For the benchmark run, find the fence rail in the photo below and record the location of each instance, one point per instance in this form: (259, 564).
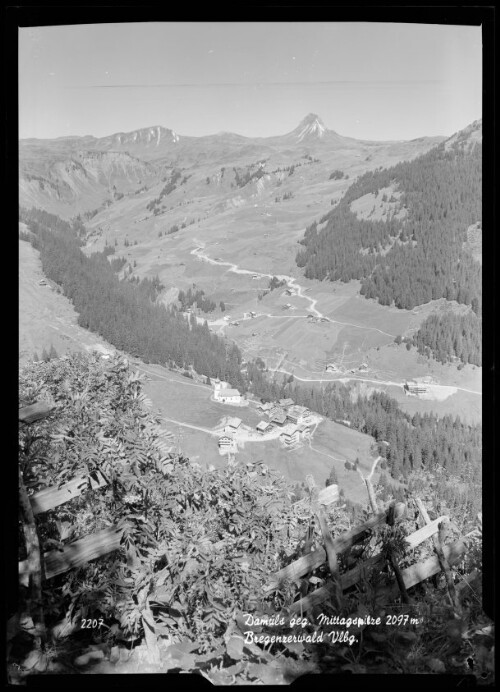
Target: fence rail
(52, 497)
(76, 554)
(445, 556)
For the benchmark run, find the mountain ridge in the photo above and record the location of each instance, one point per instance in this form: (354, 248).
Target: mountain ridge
(71, 175)
(311, 121)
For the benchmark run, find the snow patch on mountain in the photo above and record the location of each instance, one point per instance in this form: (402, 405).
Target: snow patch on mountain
(311, 126)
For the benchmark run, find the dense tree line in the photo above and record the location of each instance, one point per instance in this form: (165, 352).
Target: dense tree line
(450, 335)
(124, 312)
(441, 193)
(247, 175)
(117, 263)
(166, 190)
(197, 296)
(406, 442)
(276, 283)
(34, 217)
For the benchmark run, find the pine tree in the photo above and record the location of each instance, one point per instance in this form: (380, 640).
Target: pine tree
(332, 478)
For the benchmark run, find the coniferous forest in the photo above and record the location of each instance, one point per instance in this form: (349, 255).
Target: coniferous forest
(198, 297)
(407, 443)
(425, 259)
(450, 336)
(125, 312)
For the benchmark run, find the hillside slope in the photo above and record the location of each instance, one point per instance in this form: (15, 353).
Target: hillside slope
(46, 317)
(410, 247)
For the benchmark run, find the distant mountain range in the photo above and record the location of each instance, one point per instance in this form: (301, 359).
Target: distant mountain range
(157, 140)
(68, 175)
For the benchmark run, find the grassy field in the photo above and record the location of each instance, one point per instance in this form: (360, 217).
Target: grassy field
(332, 444)
(294, 465)
(467, 406)
(179, 398)
(46, 318)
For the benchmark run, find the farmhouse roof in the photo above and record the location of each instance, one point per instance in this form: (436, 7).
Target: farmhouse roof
(297, 410)
(229, 392)
(262, 425)
(279, 417)
(286, 402)
(291, 431)
(234, 422)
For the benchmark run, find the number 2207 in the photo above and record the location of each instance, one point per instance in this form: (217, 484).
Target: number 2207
(87, 623)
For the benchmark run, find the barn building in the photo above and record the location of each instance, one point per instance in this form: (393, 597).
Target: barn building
(291, 436)
(226, 395)
(226, 444)
(296, 414)
(412, 387)
(233, 423)
(279, 418)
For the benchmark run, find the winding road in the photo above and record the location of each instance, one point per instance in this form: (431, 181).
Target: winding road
(362, 379)
(292, 283)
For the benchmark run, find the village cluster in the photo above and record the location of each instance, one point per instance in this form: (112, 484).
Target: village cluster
(284, 420)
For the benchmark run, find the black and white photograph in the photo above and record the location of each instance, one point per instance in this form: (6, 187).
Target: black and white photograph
(250, 352)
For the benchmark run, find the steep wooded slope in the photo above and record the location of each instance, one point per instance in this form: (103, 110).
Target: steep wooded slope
(416, 253)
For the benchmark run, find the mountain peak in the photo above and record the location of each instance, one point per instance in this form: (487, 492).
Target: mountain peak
(145, 136)
(310, 127)
(310, 119)
(467, 138)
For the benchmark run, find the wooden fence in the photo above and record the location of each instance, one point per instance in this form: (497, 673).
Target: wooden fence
(78, 552)
(74, 554)
(445, 556)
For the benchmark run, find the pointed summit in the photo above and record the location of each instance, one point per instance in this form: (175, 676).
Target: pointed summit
(310, 119)
(310, 127)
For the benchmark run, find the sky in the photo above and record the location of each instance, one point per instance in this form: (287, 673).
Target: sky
(376, 81)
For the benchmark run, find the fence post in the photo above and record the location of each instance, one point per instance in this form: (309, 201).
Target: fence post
(331, 553)
(443, 562)
(27, 415)
(367, 480)
(34, 561)
(391, 516)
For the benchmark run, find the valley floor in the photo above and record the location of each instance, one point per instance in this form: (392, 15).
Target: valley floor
(47, 318)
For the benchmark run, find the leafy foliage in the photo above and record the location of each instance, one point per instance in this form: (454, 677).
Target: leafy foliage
(187, 546)
(199, 544)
